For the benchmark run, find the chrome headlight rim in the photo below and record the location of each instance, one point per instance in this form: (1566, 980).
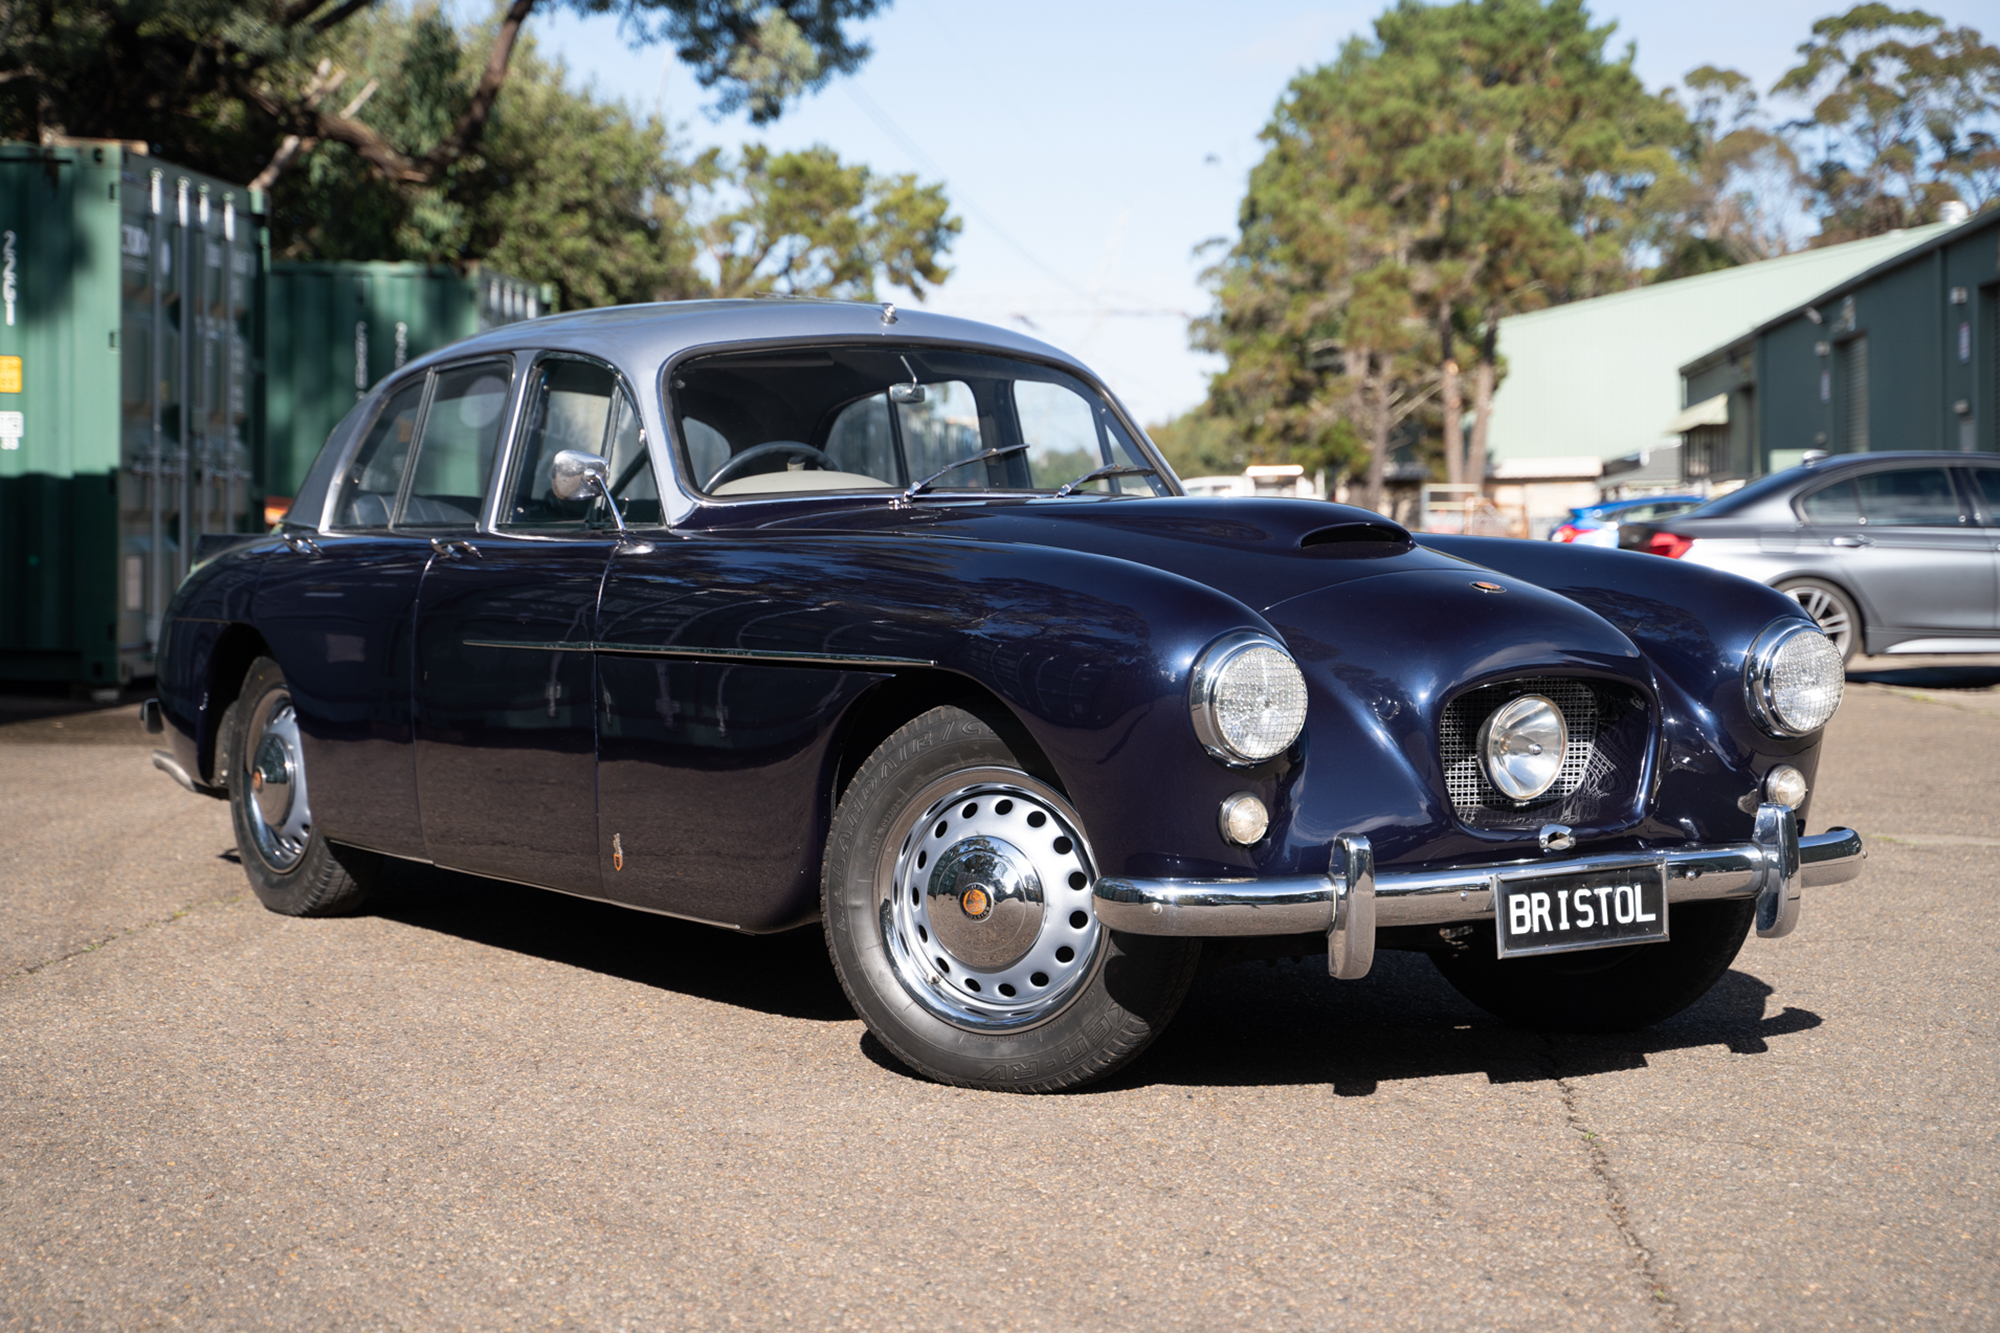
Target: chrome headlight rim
(1204, 682)
(1760, 663)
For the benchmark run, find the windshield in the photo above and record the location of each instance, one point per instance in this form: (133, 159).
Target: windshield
(886, 418)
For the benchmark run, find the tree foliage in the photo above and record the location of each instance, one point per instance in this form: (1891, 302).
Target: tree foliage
(1902, 119)
(1471, 160)
(220, 84)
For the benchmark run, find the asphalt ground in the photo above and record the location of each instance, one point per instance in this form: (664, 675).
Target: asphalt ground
(487, 1107)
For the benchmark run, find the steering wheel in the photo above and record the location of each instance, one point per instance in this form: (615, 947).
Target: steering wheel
(740, 463)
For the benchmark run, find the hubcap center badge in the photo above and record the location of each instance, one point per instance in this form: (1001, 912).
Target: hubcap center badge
(984, 902)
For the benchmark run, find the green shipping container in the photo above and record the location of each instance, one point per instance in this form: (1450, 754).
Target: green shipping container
(128, 292)
(334, 329)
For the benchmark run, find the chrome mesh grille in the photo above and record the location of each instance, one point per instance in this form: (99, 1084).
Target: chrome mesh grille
(1458, 742)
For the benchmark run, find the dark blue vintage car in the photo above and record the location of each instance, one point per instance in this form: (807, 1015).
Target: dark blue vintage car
(767, 613)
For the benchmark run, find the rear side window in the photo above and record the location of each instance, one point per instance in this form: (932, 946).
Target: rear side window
(455, 453)
(1916, 497)
(369, 487)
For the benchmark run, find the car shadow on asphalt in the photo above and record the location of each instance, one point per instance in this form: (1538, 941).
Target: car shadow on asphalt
(787, 975)
(1291, 1024)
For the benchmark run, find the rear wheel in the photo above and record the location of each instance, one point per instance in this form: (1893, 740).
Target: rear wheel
(291, 866)
(1604, 990)
(1833, 609)
(958, 910)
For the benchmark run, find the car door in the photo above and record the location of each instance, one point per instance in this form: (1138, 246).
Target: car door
(505, 733)
(336, 611)
(1904, 539)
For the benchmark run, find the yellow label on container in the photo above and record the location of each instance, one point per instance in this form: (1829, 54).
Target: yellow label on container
(10, 374)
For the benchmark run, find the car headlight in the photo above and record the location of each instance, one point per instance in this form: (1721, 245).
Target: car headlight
(1522, 746)
(1793, 678)
(1247, 698)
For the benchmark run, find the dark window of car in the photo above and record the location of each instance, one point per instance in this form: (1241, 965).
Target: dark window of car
(1832, 504)
(368, 490)
(1988, 481)
(1915, 497)
(455, 451)
(576, 404)
(877, 418)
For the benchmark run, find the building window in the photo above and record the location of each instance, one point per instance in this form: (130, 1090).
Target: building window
(1854, 395)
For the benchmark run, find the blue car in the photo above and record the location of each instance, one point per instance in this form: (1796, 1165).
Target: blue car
(767, 614)
(1597, 525)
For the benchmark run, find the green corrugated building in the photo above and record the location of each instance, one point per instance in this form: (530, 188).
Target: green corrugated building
(1903, 355)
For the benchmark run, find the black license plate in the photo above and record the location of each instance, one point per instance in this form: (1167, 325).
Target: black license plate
(1555, 913)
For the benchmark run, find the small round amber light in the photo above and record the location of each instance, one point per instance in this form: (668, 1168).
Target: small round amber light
(1785, 785)
(1244, 819)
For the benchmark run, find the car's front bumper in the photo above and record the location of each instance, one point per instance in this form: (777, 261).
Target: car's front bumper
(1352, 901)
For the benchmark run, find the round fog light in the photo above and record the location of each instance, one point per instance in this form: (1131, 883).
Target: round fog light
(1244, 819)
(1785, 785)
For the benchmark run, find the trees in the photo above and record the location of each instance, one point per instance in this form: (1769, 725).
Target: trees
(1901, 119)
(614, 216)
(1472, 160)
(222, 84)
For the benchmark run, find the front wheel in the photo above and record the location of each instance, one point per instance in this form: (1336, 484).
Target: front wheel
(1604, 990)
(291, 866)
(957, 899)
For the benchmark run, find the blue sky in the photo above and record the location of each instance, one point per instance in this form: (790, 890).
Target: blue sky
(1091, 147)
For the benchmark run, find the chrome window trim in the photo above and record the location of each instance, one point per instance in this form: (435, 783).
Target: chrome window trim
(1208, 664)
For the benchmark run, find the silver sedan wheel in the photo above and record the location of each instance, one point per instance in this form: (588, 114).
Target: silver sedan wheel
(1827, 610)
(984, 900)
(280, 816)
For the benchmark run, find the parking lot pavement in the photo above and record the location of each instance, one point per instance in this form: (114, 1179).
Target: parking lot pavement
(483, 1106)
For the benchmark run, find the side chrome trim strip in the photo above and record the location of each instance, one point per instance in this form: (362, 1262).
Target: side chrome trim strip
(1303, 904)
(759, 656)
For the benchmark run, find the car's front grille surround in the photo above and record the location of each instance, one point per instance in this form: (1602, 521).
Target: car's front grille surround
(1608, 731)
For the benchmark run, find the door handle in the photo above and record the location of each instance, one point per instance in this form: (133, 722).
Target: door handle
(1851, 541)
(451, 549)
(299, 545)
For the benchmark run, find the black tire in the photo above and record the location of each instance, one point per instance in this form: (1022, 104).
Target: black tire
(292, 868)
(1604, 990)
(1121, 989)
(1832, 609)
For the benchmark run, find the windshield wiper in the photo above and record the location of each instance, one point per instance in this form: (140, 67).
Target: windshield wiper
(1109, 470)
(919, 487)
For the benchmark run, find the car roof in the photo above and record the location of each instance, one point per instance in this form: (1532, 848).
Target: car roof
(647, 336)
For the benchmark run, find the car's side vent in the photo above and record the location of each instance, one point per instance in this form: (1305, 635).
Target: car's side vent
(1608, 728)
(1342, 533)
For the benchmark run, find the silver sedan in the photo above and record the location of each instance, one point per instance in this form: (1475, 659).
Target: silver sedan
(1890, 552)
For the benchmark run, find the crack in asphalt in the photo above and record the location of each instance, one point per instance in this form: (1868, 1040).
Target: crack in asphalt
(1663, 1303)
(92, 946)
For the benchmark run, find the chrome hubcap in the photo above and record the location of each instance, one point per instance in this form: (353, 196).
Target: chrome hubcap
(280, 818)
(985, 902)
(1826, 612)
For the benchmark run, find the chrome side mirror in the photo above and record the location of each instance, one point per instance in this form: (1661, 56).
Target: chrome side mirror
(575, 473)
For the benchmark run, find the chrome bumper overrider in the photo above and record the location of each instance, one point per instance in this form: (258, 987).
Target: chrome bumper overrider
(1353, 900)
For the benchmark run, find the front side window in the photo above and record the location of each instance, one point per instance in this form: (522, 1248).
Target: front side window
(877, 418)
(576, 404)
(1988, 481)
(370, 484)
(455, 450)
(1917, 497)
